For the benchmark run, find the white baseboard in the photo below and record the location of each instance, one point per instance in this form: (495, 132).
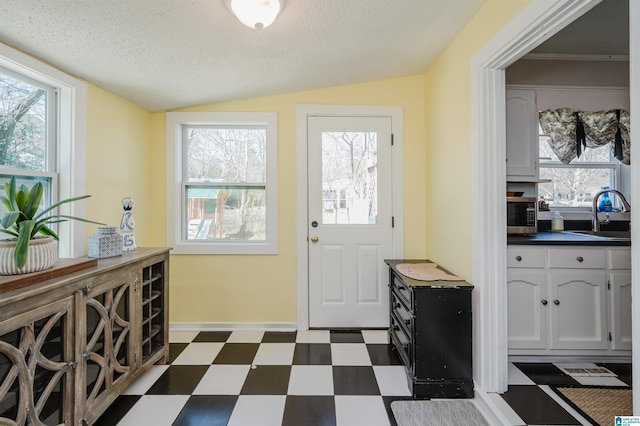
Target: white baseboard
(232, 326)
(495, 409)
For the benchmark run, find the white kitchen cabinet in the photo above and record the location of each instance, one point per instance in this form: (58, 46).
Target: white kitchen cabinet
(620, 298)
(522, 135)
(569, 300)
(620, 303)
(578, 309)
(528, 305)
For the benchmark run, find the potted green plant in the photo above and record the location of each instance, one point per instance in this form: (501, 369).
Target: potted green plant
(23, 222)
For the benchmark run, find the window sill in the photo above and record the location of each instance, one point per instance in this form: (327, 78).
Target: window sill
(245, 248)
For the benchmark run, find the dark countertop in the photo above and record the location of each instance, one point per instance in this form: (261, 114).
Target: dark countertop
(566, 238)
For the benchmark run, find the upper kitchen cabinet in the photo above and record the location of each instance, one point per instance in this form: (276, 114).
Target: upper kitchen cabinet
(522, 135)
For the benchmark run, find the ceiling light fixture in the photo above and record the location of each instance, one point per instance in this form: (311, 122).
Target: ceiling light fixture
(256, 14)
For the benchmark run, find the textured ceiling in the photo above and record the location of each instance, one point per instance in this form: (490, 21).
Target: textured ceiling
(165, 54)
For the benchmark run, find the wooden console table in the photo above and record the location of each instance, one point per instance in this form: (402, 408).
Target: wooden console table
(70, 344)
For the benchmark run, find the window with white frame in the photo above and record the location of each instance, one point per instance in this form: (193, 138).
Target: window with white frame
(28, 133)
(572, 186)
(221, 183)
(42, 136)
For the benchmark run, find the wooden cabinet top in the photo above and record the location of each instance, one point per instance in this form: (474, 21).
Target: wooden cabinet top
(69, 271)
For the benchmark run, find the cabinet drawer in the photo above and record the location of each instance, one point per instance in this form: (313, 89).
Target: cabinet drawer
(525, 257)
(401, 342)
(403, 314)
(403, 291)
(620, 258)
(589, 258)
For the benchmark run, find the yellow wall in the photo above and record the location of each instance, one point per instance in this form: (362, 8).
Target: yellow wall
(118, 161)
(126, 157)
(217, 288)
(448, 156)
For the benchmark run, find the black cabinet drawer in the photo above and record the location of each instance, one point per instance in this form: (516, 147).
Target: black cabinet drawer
(402, 313)
(401, 342)
(403, 291)
(431, 329)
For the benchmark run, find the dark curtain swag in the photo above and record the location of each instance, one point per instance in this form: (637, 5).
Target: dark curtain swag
(572, 131)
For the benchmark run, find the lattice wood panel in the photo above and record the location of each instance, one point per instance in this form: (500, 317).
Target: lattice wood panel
(107, 347)
(36, 366)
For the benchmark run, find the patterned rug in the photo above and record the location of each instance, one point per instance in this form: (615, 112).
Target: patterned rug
(600, 405)
(437, 413)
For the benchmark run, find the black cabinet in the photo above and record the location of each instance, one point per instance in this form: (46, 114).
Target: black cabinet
(431, 329)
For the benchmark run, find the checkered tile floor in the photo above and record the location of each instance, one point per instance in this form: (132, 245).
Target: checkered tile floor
(251, 378)
(531, 401)
(267, 378)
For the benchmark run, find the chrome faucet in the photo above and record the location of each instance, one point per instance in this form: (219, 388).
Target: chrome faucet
(596, 221)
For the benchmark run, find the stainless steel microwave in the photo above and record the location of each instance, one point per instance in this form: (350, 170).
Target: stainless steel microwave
(522, 216)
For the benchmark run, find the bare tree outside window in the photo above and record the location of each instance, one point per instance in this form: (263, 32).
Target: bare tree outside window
(575, 184)
(23, 126)
(349, 177)
(227, 183)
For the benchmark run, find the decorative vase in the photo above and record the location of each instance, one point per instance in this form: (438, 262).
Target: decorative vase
(106, 242)
(43, 254)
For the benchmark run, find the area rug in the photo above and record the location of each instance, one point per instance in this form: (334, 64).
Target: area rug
(601, 405)
(437, 413)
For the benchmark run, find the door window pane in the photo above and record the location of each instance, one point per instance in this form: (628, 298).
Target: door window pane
(349, 178)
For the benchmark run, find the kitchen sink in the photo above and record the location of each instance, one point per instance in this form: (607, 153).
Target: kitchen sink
(603, 234)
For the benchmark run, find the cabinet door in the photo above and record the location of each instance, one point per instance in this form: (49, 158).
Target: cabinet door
(578, 305)
(620, 308)
(108, 349)
(528, 308)
(522, 135)
(36, 365)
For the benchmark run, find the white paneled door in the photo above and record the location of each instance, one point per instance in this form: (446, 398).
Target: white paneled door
(350, 220)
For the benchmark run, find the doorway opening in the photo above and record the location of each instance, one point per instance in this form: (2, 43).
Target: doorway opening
(536, 23)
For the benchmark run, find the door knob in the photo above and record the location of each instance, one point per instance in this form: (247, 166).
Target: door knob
(315, 239)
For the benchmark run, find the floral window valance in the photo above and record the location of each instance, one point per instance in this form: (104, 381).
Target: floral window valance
(571, 131)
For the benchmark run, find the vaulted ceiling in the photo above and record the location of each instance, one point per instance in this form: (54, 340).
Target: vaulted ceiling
(166, 54)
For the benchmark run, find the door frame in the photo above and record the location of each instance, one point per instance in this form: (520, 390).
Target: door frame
(537, 22)
(303, 111)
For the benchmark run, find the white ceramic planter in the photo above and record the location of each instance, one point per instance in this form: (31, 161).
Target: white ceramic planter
(43, 254)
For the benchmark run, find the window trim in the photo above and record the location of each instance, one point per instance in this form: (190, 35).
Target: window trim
(175, 205)
(71, 131)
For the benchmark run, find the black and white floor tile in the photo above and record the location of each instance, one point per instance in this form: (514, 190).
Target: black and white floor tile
(531, 401)
(267, 378)
(317, 377)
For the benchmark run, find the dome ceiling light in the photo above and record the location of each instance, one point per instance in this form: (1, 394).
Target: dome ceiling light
(257, 14)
